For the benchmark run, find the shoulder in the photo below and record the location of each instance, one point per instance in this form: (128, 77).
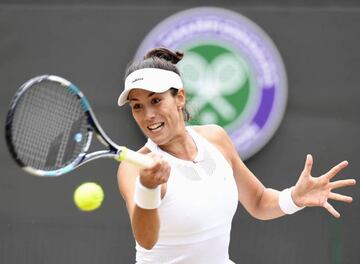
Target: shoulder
(213, 133)
(144, 150)
(218, 137)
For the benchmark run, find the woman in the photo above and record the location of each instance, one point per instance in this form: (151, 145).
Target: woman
(181, 207)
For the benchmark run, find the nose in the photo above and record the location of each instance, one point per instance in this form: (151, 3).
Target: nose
(149, 113)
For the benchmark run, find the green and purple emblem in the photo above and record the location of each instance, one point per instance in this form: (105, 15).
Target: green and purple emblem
(232, 72)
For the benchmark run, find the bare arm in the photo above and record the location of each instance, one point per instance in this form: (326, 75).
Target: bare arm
(145, 223)
(259, 201)
(262, 202)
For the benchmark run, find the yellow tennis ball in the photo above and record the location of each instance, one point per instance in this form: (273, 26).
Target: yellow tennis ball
(88, 196)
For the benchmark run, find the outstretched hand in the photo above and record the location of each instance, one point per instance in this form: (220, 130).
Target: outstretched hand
(316, 191)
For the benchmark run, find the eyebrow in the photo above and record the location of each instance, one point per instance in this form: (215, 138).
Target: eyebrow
(134, 99)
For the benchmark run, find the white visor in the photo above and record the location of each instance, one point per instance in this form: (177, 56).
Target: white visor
(150, 79)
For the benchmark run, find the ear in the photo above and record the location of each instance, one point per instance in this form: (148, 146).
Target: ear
(181, 99)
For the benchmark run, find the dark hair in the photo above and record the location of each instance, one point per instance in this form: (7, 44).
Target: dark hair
(160, 58)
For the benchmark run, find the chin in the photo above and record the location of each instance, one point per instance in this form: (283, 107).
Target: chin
(158, 141)
(159, 138)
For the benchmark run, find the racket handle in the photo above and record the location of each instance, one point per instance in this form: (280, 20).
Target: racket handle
(138, 159)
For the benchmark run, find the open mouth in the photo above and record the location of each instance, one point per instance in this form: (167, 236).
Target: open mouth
(156, 126)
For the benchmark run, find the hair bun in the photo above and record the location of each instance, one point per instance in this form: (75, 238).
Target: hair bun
(165, 54)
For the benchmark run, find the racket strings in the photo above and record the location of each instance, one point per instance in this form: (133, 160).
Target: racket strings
(28, 118)
(46, 120)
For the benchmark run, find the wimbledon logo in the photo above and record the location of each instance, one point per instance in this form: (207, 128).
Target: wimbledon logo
(232, 72)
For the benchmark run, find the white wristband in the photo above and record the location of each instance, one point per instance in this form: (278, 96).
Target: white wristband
(286, 202)
(147, 198)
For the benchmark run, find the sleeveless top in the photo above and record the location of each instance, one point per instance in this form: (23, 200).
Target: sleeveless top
(197, 209)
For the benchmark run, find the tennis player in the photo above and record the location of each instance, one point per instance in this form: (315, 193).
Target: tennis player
(181, 208)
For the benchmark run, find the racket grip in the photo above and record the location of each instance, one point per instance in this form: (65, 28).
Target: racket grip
(138, 159)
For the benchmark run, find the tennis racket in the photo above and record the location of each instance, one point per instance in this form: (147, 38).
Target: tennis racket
(50, 126)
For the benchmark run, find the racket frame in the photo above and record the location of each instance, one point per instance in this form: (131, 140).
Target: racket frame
(114, 151)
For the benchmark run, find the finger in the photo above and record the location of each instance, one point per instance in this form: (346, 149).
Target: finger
(157, 163)
(336, 169)
(164, 172)
(161, 178)
(308, 164)
(340, 197)
(331, 210)
(342, 183)
(154, 167)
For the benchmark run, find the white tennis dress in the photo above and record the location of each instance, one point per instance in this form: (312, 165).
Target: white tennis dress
(197, 210)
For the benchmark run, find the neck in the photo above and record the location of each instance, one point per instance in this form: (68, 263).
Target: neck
(182, 146)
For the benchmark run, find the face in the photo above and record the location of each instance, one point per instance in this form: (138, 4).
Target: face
(159, 115)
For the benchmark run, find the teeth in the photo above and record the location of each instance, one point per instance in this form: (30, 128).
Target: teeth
(155, 126)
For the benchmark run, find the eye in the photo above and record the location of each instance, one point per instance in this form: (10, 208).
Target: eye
(136, 106)
(155, 100)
